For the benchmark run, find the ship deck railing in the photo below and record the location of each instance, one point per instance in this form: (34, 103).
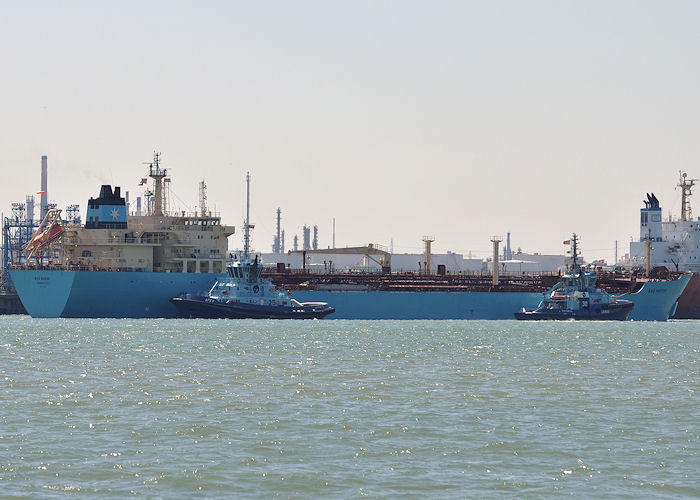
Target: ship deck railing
(79, 267)
(613, 282)
(413, 274)
(403, 281)
(61, 267)
(119, 240)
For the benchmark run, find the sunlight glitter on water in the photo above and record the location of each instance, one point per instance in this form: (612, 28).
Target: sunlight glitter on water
(172, 408)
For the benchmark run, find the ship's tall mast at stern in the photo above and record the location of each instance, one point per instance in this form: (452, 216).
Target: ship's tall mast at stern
(686, 185)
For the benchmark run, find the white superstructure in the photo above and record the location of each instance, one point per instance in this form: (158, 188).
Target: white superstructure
(674, 244)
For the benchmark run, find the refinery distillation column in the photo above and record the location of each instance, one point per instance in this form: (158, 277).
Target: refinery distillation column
(495, 240)
(427, 240)
(277, 246)
(44, 203)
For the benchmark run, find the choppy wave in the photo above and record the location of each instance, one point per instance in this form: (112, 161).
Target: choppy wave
(177, 408)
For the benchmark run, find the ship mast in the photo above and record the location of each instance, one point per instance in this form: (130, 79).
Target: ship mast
(157, 174)
(574, 253)
(246, 225)
(686, 185)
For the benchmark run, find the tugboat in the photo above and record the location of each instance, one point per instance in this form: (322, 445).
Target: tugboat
(576, 297)
(244, 294)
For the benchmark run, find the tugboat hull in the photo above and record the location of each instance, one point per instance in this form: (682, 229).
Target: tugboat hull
(618, 311)
(197, 306)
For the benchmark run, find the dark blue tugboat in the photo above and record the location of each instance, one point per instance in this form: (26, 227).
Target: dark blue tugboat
(576, 297)
(245, 294)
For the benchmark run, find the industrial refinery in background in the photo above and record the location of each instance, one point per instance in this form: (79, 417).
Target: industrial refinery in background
(373, 256)
(26, 217)
(307, 242)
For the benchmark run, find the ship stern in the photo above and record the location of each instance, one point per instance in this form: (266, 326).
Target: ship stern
(43, 293)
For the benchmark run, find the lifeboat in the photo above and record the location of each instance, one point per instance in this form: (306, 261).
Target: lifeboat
(48, 231)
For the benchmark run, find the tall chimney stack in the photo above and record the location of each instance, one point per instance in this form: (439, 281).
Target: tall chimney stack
(30, 208)
(44, 202)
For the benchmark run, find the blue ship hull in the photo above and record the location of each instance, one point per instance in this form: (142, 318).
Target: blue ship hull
(109, 294)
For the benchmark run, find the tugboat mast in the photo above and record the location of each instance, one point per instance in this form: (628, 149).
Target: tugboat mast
(574, 253)
(246, 225)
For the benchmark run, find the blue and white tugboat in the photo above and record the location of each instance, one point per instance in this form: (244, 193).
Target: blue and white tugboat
(245, 294)
(576, 297)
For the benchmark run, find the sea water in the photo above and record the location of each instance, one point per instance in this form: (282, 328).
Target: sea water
(343, 409)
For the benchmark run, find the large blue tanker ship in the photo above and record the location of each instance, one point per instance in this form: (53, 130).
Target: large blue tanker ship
(90, 294)
(129, 265)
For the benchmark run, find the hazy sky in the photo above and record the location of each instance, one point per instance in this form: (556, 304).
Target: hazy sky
(400, 119)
